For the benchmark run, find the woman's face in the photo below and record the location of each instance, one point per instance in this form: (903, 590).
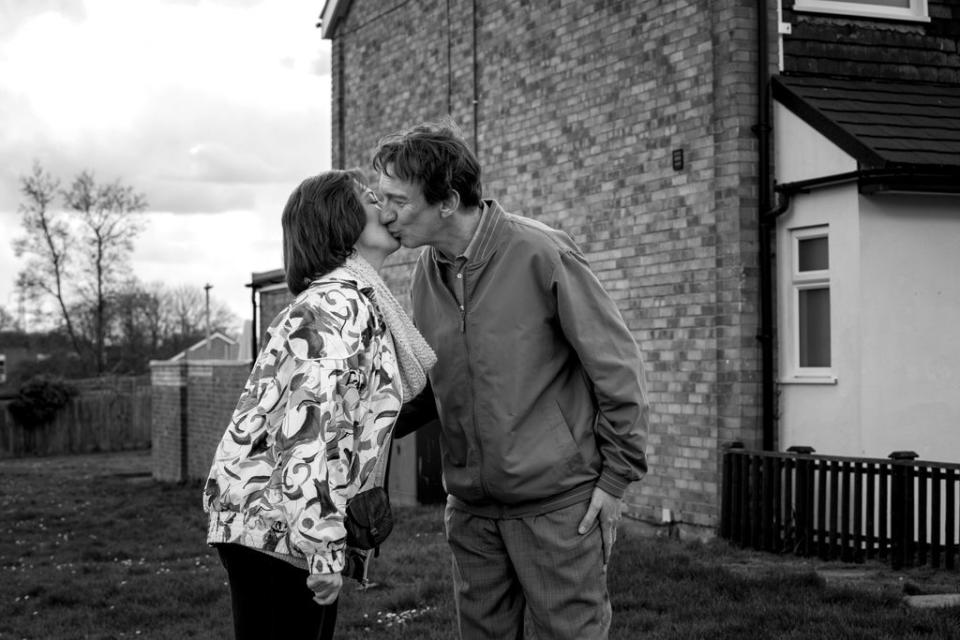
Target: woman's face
(374, 237)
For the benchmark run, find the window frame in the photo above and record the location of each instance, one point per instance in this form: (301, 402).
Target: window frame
(801, 281)
(916, 12)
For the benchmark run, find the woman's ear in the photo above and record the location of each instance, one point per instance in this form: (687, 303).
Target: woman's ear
(450, 204)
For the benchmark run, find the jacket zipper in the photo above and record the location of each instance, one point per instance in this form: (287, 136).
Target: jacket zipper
(462, 279)
(462, 305)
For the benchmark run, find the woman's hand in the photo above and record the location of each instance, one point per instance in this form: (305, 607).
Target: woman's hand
(325, 587)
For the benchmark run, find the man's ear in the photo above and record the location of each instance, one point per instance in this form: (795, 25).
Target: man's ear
(450, 204)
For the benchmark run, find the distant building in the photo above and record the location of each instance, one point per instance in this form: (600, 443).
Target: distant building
(217, 347)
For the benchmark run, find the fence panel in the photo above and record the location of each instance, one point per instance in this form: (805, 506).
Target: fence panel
(112, 418)
(901, 510)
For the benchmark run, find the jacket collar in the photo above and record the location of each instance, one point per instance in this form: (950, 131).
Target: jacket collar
(485, 239)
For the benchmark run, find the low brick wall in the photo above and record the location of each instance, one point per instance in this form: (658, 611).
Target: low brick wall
(192, 404)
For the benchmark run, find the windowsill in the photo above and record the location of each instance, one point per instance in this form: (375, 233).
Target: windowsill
(818, 379)
(850, 13)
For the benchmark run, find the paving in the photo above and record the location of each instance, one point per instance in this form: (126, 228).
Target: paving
(917, 586)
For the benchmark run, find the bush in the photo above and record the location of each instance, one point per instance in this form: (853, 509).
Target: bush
(39, 399)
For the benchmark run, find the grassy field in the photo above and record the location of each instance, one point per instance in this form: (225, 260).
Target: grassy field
(91, 547)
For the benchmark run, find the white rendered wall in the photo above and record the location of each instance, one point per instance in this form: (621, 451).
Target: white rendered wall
(910, 325)
(801, 152)
(823, 412)
(895, 312)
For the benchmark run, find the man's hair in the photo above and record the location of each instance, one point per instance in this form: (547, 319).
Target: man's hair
(321, 223)
(434, 156)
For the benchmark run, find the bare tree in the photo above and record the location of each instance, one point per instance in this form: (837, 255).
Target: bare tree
(109, 225)
(163, 321)
(7, 321)
(187, 308)
(94, 243)
(46, 244)
(152, 308)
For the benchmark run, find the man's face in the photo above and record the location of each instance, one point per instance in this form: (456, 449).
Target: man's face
(406, 214)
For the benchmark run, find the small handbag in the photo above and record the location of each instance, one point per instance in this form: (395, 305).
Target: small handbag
(369, 519)
(368, 522)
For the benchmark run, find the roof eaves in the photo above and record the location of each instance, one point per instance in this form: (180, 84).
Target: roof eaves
(330, 16)
(259, 279)
(867, 157)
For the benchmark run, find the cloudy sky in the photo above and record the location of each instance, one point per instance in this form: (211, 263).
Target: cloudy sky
(214, 109)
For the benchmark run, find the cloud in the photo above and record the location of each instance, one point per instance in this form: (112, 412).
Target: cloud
(214, 109)
(13, 13)
(141, 92)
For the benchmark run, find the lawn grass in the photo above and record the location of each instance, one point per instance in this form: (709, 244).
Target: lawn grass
(90, 550)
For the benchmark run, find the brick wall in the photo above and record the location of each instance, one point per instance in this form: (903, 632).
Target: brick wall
(575, 110)
(870, 48)
(271, 303)
(192, 404)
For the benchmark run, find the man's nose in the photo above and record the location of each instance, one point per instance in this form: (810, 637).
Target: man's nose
(387, 213)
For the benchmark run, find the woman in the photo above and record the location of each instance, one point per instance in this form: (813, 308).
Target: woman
(315, 416)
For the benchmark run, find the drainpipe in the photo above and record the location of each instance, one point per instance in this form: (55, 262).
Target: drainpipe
(768, 219)
(476, 84)
(338, 51)
(253, 327)
(762, 130)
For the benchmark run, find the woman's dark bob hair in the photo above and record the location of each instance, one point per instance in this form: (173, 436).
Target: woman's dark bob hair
(322, 221)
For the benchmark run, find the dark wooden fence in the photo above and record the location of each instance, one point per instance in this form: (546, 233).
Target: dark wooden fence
(111, 414)
(900, 510)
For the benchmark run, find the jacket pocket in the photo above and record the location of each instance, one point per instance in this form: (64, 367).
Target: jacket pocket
(534, 460)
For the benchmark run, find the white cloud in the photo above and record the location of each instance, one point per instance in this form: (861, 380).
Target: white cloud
(214, 110)
(222, 249)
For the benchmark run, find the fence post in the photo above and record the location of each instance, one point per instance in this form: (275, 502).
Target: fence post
(804, 499)
(901, 508)
(727, 492)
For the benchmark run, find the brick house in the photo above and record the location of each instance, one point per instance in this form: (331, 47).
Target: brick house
(647, 131)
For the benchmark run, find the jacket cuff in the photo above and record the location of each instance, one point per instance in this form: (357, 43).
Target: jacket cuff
(612, 483)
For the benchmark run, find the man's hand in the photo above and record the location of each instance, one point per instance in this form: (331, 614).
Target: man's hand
(325, 587)
(607, 508)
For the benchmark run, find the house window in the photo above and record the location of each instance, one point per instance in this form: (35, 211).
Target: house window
(3, 368)
(893, 9)
(810, 281)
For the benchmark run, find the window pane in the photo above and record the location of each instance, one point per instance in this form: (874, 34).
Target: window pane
(815, 327)
(812, 254)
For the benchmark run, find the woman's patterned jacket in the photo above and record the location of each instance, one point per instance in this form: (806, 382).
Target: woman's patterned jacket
(319, 404)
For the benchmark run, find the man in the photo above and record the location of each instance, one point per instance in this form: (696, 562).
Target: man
(540, 392)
